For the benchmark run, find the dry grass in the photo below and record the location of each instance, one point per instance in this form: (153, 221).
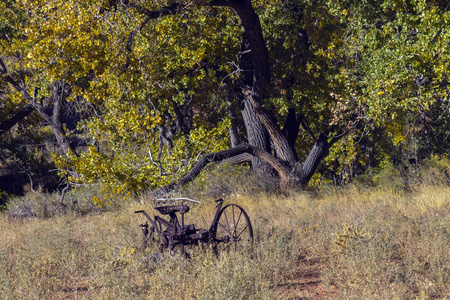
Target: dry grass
(337, 244)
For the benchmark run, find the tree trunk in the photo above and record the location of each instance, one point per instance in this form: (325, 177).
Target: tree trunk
(260, 57)
(233, 130)
(257, 136)
(291, 127)
(255, 72)
(301, 173)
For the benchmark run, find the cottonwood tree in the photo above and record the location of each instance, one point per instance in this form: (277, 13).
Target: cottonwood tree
(173, 82)
(268, 143)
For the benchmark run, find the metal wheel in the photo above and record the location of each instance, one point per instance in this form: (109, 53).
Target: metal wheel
(233, 229)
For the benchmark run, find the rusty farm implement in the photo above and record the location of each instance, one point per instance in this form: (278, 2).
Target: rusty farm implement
(230, 229)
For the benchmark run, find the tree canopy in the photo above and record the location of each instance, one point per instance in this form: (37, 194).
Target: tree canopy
(161, 88)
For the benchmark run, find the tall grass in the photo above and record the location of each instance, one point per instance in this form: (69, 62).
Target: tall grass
(336, 243)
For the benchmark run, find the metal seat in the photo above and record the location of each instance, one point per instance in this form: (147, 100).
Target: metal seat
(167, 210)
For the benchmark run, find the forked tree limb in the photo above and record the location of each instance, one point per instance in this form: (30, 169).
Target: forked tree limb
(284, 149)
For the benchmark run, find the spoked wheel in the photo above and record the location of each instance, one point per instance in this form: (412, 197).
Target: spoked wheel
(233, 229)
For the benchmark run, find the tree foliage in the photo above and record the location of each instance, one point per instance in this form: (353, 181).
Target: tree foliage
(396, 69)
(164, 83)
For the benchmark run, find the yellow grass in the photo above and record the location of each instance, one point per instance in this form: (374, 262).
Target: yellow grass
(342, 243)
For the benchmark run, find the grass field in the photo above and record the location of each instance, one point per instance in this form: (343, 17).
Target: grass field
(335, 243)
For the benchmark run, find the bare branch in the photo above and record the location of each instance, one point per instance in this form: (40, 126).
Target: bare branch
(277, 164)
(7, 125)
